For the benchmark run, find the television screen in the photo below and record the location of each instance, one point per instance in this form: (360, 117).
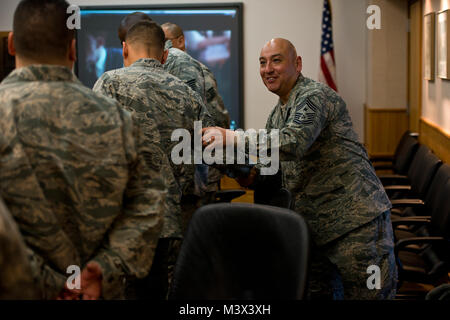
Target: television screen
(213, 36)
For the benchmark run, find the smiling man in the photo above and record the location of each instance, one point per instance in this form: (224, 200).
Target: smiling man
(333, 184)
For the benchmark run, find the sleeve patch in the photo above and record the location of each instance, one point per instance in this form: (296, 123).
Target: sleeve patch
(305, 113)
(191, 83)
(210, 94)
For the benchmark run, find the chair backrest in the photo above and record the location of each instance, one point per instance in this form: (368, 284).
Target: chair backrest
(281, 198)
(434, 191)
(243, 251)
(404, 153)
(440, 218)
(422, 170)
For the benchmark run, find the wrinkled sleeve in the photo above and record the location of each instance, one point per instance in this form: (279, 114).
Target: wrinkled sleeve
(201, 110)
(16, 280)
(130, 245)
(49, 249)
(104, 86)
(306, 120)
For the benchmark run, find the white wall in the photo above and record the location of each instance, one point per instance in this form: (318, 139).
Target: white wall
(387, 73)
(436, 94)
(296, 20)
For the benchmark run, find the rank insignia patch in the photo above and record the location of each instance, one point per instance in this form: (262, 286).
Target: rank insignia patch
(305, 112)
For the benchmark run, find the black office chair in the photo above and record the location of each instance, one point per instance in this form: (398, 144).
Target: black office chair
(425, 258)
(404, 153)
(243, 251)
(420, 174)
(418, 207)
(278, 198)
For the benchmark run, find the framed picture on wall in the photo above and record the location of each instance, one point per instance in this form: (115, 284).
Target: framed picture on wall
(443, 53)
(429, 22)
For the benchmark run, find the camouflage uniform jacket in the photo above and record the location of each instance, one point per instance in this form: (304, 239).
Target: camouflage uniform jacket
(323, 164)
(158, 97)
(213, 99)
(221, 117)
(74, 176)
(16, 281)
(187, 69)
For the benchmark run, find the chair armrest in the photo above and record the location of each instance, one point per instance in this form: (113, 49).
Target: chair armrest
(404, 203)
(403, 243)
(398, 187)
(419, 220)
(228, 195)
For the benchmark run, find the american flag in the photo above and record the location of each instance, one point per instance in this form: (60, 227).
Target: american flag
(327, 73)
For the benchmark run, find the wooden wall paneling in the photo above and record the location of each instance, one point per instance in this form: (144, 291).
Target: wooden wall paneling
(436, 139)
(383, 129)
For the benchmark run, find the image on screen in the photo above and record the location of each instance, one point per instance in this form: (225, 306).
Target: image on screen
(213, 36)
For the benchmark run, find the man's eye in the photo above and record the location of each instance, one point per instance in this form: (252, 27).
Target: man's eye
(262, 62)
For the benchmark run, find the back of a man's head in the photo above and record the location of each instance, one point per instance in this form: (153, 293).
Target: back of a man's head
(147, 36)
(129, 21)
(173, 29)
(40, 29)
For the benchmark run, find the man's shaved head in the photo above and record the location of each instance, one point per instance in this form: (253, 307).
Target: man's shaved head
(173, 29)
(129, 21)
(175, 34)
(40, 30)
(282, 45)
(147, 36)
(280, 67)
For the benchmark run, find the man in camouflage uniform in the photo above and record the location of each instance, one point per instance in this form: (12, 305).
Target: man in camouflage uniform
(175, 38)
(16, 281)
(155, 96)
(332, 181)
(80, 180)
(188, 70)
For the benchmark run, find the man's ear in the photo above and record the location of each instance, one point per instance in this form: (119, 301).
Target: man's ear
(124, 50)
(73, 50)
(11, 47)
(298, 62)
(164, 57)
(182, 43)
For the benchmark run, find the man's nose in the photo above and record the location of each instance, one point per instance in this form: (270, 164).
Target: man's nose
(268, 68)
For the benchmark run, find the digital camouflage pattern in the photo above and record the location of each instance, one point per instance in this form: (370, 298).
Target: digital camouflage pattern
(155, 96)
(79, 179)
(335, 188)
(185, 68)
(221, 117)
(213, 99)
(16, 281)
(339, 269)
(323, 164)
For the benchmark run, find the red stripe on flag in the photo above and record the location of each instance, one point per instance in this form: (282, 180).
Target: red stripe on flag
(326, 73)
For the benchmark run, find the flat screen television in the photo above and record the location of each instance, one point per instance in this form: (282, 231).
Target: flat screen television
(213, 35)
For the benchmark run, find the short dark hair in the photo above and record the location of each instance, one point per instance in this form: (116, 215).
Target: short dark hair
(146, 33)
(129, 21)
(40, 29)
(174, 29)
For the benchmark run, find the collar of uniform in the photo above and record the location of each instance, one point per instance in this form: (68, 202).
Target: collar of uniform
(297, 86)
(147, 62)
(41, 72)
(168, 44)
